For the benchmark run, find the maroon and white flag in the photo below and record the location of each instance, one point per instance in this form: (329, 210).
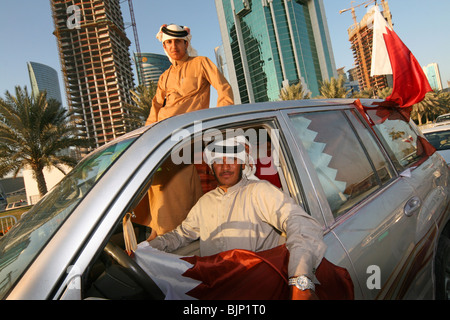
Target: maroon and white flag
(391, 56)
(235, 275)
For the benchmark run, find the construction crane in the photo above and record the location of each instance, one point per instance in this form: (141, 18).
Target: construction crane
(136, 43)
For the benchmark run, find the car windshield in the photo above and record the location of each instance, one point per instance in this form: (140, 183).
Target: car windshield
(20, 246)
(439, 139)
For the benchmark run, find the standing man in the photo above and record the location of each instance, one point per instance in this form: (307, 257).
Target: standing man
(249, 214)
(185, 86)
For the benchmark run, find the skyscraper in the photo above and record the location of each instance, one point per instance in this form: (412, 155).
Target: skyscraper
(221, 61)
(96, 64)
(153, 65)
(272, 43)
(44, 78)
(433, 75)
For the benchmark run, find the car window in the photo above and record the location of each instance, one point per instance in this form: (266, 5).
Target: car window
(176, 184)
(439, 139)
(22, 244)
(400, 139)
(347, 160)
(184, 175)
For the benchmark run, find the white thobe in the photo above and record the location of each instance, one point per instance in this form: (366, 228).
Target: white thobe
(251, 215)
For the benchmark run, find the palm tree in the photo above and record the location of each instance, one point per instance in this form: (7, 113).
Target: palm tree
(371, 94)
(429, 108)
(142, 96)
(33, 133)
(384, 93)
(294, 92)
(444, 100)
(364, 94)
(333, 88)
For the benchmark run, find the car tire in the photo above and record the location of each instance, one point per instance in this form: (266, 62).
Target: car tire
(442, 269)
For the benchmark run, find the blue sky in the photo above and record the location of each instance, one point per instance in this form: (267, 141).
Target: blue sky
(27, 28)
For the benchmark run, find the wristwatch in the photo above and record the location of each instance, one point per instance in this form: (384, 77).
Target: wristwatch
(302, 282)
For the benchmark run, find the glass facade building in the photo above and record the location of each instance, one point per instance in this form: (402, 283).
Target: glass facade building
(151, 66)
(272, 43)
(433, 75)
(44, 78)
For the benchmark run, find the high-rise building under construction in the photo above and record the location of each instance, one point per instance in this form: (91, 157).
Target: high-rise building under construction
(96, 65)
(361, 38)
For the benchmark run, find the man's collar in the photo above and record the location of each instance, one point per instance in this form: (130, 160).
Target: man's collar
(234, 188)
(181, 61)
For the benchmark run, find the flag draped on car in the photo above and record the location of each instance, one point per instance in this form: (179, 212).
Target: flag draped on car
(391, 56)
(236, 275)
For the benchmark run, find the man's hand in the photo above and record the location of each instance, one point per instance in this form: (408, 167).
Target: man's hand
(297, 294)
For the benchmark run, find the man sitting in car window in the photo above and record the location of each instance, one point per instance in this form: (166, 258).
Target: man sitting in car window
(243, 213)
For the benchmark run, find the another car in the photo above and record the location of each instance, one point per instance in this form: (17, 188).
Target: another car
(443, 119)
(383, 201)
(439, 137)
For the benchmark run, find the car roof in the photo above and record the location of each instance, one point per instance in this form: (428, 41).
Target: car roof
(444, 115)
(233, 110)
(161, 130)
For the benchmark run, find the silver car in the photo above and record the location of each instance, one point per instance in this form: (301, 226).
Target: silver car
(439, 137)
(443, 119)
(382, 199)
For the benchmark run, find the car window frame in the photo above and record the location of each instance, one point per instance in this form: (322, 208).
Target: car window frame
(248, 121)
(93, 246)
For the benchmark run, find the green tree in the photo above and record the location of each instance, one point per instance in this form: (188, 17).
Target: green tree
(384, 93)
(371, 94)
(444, 101)
(429, 108)
(334, 88)
(364, 94)
(294, 92)
(139, 112)
(33, 133)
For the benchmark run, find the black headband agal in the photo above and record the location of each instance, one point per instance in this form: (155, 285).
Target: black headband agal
(232, 149)
(226, 149)
(178, 34)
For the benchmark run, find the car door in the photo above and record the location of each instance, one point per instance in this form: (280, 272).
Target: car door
(366, 196)
(428, 175)
(294, 176)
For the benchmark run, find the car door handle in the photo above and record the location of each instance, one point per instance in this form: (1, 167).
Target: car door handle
(412, 206)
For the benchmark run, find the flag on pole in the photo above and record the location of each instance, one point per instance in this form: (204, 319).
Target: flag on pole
(391, 56)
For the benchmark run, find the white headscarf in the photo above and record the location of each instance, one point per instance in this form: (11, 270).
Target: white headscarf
(236, 147)
(174, 31)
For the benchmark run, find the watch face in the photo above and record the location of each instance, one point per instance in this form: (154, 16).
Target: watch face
(302, 282)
